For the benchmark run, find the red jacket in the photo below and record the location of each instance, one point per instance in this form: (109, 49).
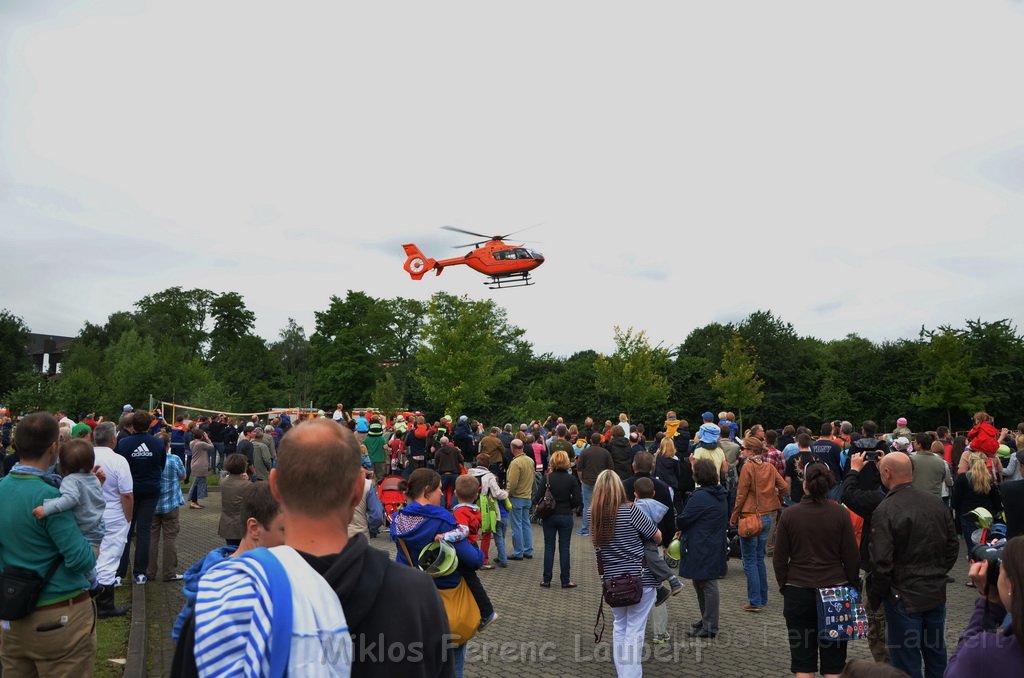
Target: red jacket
(469, 515)
(984, 438)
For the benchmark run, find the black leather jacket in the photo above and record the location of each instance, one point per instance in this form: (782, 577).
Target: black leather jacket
(913, 546)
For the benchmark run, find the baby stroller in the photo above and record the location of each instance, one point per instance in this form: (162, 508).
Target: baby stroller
(390, 496)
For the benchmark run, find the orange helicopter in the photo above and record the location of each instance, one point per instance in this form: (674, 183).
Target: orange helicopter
(505, 265)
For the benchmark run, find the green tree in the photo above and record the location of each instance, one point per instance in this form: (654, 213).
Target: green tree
(947, 384)
(737, 380)
(77, 391)
(231, 321)
(294, 353)
(14, 358)
(465, 352)
(632, 379)
(251, 372)
(386, 395)
(353, 338)
(176, 315)
(32, 391)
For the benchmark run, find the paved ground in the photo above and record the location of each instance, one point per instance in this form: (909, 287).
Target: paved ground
(549, 632)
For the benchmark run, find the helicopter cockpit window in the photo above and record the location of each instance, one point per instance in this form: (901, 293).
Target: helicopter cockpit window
(503, 254)
(521, 253)
(534, 254)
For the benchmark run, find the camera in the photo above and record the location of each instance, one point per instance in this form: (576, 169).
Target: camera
(872, 455)
(991, 552)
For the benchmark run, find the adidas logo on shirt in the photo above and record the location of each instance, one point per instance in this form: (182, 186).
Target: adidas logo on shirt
(141, 451)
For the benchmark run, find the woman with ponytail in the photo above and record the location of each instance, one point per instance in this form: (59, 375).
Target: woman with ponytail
(814, 548)
(974, 488)
(618, 530)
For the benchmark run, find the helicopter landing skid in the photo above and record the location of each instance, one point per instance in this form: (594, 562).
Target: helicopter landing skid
(506, 281)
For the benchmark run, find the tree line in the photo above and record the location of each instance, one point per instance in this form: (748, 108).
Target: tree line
(458, 355)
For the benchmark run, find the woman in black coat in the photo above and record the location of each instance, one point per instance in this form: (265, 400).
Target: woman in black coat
(668, 470)
(565, 489)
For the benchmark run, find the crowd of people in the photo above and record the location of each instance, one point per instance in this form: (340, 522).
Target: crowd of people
(850, 514)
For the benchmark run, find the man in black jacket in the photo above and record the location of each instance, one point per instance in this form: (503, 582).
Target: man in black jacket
(862, 492)
(913, 547)
(371, 588)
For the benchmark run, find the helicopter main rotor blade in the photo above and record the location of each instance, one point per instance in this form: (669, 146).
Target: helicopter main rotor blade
(521, 230)
(462, 230)
(472, 244)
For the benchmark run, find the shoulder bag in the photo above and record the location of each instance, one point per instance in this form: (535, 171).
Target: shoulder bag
(20, 589)
(622, 590)
(459, 604)
(545, 508)
(750, 524)
(841, 615)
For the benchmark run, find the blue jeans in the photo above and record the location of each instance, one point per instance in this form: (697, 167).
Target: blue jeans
(459, 660)
(588, 492)
(560, 527)
(218, 456)
(912, 638)
(752, 549)
(499, 541)
(522, 534)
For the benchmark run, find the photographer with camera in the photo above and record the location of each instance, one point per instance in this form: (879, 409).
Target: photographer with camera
(861, 493)
(913, 547)
(993, 642)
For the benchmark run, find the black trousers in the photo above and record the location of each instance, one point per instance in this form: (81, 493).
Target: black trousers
(142, 523)
(479, 594)
(807, 652)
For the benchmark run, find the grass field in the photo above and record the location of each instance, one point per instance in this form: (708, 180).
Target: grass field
(112, 639)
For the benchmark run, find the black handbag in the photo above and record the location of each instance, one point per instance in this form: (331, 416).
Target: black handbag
(622, 590)
(545, 508)
(20, 589)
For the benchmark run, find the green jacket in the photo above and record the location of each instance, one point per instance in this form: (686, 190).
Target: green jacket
(375, 447)
(33, 544)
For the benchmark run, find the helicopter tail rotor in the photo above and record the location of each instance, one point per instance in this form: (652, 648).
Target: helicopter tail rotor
(417, 264)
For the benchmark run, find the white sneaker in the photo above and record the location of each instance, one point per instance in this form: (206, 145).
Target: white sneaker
(117, 582)
(176, 577)
(141, 579)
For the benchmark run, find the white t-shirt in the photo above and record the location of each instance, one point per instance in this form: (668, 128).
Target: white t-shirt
(338, 415)
(118, 482)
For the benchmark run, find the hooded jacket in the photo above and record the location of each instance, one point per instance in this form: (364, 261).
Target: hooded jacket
(417, 525)
(488, 483)
(703, 522)
(622, 456)
(372, 589)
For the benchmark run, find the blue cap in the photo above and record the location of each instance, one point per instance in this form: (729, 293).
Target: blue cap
(707, 416)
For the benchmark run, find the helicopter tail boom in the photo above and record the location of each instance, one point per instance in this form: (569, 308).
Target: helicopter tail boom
(417, 264)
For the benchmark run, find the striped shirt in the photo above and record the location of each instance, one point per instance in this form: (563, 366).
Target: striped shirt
(234, 613)
(624, 554)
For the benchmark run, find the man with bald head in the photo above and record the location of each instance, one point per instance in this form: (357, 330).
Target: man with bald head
(913, 547)
(318, 481)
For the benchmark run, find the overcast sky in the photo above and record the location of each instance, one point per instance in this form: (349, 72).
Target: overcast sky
(853, 167)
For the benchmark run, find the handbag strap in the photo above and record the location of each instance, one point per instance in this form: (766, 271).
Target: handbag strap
(52, 571)
(600, 603)
(405, 550)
